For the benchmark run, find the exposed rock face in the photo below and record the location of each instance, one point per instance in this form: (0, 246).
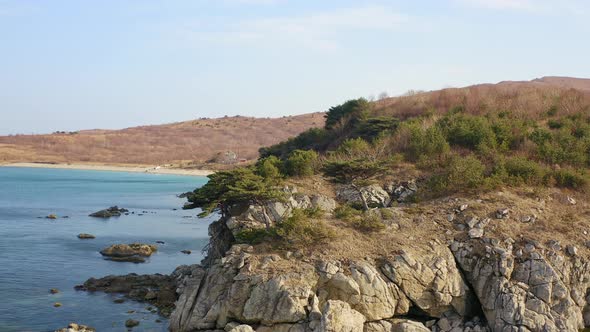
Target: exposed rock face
(431, 280)
(538, 291)
(474, 284)
(133, 252)
(374, 194)
(113, 211)
(253, 216)
(402, 191)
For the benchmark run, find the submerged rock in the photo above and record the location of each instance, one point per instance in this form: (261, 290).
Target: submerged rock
(54, 291)
(113, 211)
(73, 327)
(131, 323)
(133, 252)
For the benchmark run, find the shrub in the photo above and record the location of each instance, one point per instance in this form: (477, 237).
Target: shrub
(353, 148)
(369, 222)
(465, 172)
(269, 167)
(312, 139)
(299, 229)
(301, 163)
(429, 142)
(468, 131)
(386, 214)
(524, 170)
(346, 212)
(372, 128)
(345, 112)
(252, 236)
(569, 178)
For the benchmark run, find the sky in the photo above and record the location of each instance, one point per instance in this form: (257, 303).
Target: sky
(69, 65)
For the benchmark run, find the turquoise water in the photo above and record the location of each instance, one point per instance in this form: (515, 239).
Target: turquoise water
(37, 254)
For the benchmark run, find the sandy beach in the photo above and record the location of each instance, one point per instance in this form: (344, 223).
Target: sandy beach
(116, 168)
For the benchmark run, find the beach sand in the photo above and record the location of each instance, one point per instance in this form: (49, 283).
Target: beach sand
(116, 168)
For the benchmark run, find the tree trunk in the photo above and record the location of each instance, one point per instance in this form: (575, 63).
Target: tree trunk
(362, 195)
(266, 217)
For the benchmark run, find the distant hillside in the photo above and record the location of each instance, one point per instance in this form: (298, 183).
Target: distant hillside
(201, 140)
(198, 141)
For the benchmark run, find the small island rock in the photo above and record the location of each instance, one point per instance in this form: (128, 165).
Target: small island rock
(113, 211)
(134, 252)
(86, 236)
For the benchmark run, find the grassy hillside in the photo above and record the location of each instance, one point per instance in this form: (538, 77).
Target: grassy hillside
(456, 140)
(198, 140)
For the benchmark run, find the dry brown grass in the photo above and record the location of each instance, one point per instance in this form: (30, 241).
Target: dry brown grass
(197, 140)
(525, 99)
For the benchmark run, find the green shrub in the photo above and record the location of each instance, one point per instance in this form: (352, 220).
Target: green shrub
(342, 114)
(468, 131)
(465, 172)
(300, 229)
(374, 127)
(428, 143)
(353, 148)
(346, 212)
(510, 133)
(369, 222)
(252, 236)
(301, 163)
(312, 139)
(314, 212)
(569, 178)
(386, 214)
(524, 170)
(555, 123)
(269, 167)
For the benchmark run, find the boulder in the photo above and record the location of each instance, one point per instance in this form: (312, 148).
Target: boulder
(402, 191)
(113, 211)
(337, 316)
(73, 327)
(374, 195)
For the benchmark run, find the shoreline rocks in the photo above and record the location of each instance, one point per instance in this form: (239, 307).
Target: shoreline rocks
(156, 289)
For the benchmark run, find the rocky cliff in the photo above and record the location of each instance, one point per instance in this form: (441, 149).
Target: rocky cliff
(456, 264)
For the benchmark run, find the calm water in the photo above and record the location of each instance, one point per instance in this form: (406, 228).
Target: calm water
(37, 254)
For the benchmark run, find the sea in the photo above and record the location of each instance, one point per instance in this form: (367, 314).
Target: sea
(37, 253)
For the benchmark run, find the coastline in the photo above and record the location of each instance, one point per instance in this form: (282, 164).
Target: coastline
(115, 168)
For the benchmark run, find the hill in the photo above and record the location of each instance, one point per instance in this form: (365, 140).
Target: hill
(198, 141)
(453, 210)
(182, 142)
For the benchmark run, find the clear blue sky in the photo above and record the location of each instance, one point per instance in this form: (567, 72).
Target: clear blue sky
(67, 65)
